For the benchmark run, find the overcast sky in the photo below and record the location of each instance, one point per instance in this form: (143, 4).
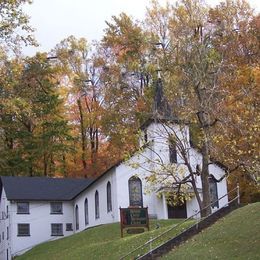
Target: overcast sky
(54, 20)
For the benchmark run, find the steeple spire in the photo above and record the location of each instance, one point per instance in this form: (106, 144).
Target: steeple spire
(161, 107)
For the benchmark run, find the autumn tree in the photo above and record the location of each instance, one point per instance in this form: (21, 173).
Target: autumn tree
(189, 76)
(237, 139)
(82, 70)
(34, 135)
(126, 78)
(197, 63)
(14, 23)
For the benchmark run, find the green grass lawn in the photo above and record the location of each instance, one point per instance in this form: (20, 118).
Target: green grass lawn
(236, 236)
(101, 242)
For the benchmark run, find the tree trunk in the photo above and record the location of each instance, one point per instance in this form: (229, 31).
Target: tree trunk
(93, 133)
(205, 181)
(205, 150)
(45, 165)
(31, 170)
(83, 136)
(193, 181)
(97, 142)
(64, 166)
(52, 167)
(197, 195)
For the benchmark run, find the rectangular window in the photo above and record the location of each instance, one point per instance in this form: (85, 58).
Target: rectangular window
(69, 227)
(23, 230)
(23, 208)
(56, 207)
(57, 229)
(7, 233)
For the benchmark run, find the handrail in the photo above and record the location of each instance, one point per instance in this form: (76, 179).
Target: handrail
(140, 257)
(179, 224)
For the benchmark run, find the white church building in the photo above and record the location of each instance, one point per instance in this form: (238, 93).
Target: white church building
(37, 209)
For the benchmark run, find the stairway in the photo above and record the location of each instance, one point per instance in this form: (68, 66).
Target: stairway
(188, 233)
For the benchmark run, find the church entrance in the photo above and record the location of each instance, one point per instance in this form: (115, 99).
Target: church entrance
(177, 211)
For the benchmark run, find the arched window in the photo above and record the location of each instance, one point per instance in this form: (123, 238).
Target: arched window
(109, 197)
(135, 192)
(213, 189)
(86, 211)
(145, 136)
(96, 205)
(172, 150)
(77, 217)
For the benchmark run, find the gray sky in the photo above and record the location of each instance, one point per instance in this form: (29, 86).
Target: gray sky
(54, 20)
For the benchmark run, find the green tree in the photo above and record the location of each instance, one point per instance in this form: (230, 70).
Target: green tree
(34, 134)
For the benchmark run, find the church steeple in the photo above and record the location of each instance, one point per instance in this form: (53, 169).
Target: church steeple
(161, 107)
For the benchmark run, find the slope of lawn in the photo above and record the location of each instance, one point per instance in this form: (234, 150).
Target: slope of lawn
(102, 242)
(236, 236)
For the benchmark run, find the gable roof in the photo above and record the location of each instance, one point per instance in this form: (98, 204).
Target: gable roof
(43, 188)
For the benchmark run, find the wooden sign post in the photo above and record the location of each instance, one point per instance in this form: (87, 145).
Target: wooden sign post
(134, 218)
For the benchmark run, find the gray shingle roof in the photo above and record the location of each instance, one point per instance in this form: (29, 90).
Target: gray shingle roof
(43, 188)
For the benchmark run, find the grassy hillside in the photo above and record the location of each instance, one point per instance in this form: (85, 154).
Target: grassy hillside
(102, 242)
(237, 236)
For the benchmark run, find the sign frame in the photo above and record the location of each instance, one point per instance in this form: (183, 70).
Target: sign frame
(129, 215)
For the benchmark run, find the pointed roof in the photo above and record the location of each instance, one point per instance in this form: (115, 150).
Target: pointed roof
(161, 105)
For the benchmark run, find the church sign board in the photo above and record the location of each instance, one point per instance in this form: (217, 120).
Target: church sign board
(134, 217)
